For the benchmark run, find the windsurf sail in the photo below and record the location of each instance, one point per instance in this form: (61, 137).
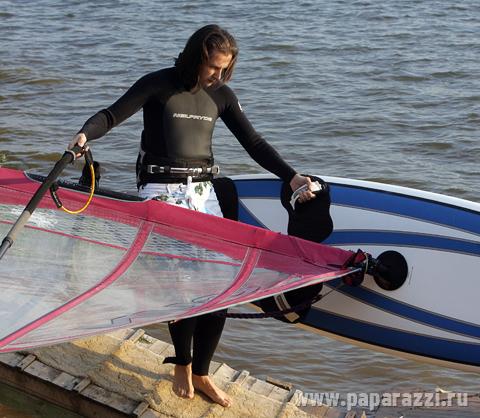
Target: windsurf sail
(68, 157)
(130, 263)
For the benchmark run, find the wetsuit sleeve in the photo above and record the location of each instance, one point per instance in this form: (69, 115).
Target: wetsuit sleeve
(259, 149)
(127, 105)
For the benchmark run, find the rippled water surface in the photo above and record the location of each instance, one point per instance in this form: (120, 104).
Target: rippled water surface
(385, 91)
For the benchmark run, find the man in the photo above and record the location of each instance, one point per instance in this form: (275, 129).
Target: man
(175, 164)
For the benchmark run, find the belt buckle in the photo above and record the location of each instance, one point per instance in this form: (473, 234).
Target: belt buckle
(150, 169)
(195, 171)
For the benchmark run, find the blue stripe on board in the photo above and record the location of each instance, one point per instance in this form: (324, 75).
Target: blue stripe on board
(390, 238)
(402, 239)
(269, 188)
(244, 215)
(407, 311)
(431, 211)
(378, 200)
(459, 352)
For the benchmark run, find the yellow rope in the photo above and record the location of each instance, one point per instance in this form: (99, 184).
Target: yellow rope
(92, 190)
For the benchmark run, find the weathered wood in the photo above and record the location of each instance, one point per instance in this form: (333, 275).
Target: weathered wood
(115, 401)
(328, 412)
(284, 385)
(24, 363)
(55, 394)
(126, 354)
(66, 381)
(161, 348)
(241, 377)
(150, 413)
(136, 335)
(50, 374)
(225, 372)
(294, 396)
(140, 409)
(82, 385)
(11, 359)
(279, 394)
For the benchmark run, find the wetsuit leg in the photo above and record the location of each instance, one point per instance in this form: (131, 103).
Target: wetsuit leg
(204, 330)
(205, 340)
(181, 333)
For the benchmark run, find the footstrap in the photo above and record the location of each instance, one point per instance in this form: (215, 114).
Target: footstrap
(271, 314)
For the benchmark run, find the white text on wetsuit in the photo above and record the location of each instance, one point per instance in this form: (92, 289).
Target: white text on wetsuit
(196, 117)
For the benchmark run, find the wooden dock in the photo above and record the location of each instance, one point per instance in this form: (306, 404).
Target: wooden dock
(122, 375)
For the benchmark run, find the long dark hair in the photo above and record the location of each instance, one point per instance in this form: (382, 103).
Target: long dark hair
(199, 47)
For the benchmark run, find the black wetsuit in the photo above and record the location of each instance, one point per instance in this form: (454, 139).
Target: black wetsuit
(178, 129)
(178, 125)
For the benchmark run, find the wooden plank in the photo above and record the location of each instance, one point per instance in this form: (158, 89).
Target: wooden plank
(281, 384)
(140, 409)
(56, 395)
(260, 387)
(249, 382)
(11, 359)
(150, 413)
(320, 411)
(279, 394)
(162, 348)
(50, 374)
(82, 385)
(66, 381)
(136, 335)
(122, 334)
(294, 396)
(114, 400)
(241, 377)
(26, 361)
(225, 372)
(146, 341)
(328, 412)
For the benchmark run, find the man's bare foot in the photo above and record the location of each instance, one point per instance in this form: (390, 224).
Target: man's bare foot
(205, 385)
(182, 383)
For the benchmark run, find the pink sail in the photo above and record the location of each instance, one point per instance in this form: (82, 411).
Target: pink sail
(131, 263)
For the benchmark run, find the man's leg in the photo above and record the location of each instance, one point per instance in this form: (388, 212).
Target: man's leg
(181, 333)
(205, 340)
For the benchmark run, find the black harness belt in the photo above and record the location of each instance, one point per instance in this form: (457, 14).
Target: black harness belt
(187, 171)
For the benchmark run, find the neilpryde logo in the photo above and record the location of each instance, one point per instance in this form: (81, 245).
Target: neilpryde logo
(194, 117)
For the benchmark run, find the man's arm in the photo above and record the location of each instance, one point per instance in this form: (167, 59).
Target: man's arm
(259, 149)
(127, 105)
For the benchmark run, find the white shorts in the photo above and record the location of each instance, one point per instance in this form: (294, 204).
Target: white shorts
(196, 196)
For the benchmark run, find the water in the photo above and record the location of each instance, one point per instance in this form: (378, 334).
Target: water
(385, 91)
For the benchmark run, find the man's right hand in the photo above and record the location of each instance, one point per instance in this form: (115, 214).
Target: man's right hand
(80, 140)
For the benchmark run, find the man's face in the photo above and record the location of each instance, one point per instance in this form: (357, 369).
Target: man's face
(211, 71)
